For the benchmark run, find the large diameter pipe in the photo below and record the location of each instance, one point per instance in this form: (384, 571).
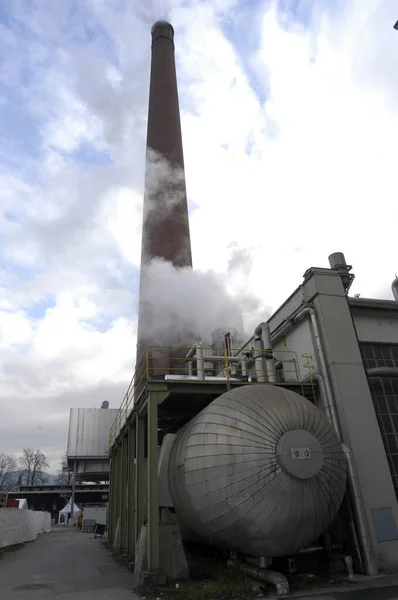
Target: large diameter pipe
(266, 337)
(266, 575)
(200, 364)
(258, 360)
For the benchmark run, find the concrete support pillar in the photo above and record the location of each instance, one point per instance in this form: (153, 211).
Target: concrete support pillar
(124, 490)
(111, 503)
(153, 496)
(343, 366)
(139, 475)
(131, 502)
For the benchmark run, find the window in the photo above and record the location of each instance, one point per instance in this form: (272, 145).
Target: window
(384, 392)
(379, 355)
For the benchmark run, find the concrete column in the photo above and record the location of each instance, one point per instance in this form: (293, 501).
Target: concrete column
(153, 495)
(112, 482)
(131, 536)
(114, 504)
(358, 422)
(124, 489)
(139, 476)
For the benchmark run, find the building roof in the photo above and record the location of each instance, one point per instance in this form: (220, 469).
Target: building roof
(374, 304)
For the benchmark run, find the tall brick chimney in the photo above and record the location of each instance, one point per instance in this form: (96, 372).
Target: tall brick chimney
(165, 229)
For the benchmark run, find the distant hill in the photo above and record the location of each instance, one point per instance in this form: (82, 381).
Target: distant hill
(19, 479)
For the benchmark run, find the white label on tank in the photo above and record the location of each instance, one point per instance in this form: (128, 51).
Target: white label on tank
(301, 453)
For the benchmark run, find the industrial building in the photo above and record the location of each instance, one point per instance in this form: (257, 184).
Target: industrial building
(279, 447)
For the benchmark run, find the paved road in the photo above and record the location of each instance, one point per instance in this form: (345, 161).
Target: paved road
(378, 593)
(64, 565)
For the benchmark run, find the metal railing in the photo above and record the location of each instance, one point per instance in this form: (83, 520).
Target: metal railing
(203, 364)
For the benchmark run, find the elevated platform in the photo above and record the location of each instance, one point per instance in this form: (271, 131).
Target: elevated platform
(182, 400)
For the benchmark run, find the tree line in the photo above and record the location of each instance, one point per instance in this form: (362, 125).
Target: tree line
(29, 469)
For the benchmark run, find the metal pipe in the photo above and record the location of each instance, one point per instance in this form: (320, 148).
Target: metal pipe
(368, 560)
(382, 372)
(394, 288)
(172, 377)
(200, 365)
(258, 360)
(267, 576)
(266, 337)
(190, 368)
(369, 565)
(259, 561)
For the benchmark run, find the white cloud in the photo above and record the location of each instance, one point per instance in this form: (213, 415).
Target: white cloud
(289, 141)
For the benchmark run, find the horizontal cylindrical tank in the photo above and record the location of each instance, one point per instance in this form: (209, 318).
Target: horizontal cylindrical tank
(260, 471)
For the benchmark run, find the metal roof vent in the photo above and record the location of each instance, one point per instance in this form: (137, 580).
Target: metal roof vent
(105, 404)
(394, 287)
(338, 263)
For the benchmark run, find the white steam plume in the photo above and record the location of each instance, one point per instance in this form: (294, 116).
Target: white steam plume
(181, 303)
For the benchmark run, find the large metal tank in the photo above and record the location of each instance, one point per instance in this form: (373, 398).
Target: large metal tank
(259, 471)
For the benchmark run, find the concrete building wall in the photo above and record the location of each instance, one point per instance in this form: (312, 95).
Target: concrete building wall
(376, 329)
(299, 341)
(360, 430)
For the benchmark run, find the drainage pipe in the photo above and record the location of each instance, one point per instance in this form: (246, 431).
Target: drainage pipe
(369, 564)
(267, 576)
(368, 561)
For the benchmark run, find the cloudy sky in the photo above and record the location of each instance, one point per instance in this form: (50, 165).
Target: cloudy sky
(290, 129)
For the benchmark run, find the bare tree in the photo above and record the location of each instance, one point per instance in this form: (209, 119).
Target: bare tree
(8, 467)
(65, 474)
(33, 463)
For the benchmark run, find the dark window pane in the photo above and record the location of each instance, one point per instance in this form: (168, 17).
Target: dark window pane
(395, 421)
(382, 405)
(395, 462)
(392, 443)
(387, 425)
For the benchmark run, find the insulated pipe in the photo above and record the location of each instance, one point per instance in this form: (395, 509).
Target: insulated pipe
(394, 288)
(262, 333)
(382, 372)
(190, 368)
(368, 561)
(172, 377)
(258, 360)
(277, 579)
(325, 405)
(200, 365)
(266, 336)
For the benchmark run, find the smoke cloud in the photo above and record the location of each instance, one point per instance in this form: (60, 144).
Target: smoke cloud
(164, 184)
(180, 304)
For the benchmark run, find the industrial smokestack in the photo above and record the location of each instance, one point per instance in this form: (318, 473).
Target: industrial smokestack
(165, 229)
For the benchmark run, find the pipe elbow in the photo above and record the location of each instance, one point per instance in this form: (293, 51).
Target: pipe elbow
(259, 329)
